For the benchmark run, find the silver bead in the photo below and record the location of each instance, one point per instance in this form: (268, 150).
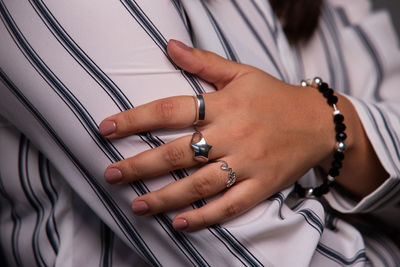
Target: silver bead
(303, 83)
(331, 178)
(341, 146)
(317, 81)
(309, 192)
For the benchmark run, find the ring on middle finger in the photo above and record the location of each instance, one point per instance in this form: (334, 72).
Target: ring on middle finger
(200, 147)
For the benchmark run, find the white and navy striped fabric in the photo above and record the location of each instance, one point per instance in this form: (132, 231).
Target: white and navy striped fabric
(66, 65)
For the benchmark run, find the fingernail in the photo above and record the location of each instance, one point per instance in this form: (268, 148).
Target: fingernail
(107, 127)
(140, 207)
(180, 224)
(113, 175)
(181, 45)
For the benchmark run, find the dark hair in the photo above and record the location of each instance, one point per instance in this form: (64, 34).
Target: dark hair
(299, 18)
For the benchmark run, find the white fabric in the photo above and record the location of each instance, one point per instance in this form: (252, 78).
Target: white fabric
(66, 65)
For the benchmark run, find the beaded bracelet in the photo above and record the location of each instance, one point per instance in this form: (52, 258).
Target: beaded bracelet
(338, 156)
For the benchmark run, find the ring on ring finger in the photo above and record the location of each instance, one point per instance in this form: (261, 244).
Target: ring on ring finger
(231, 174)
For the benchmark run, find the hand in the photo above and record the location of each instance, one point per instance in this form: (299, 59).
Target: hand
(269, 132)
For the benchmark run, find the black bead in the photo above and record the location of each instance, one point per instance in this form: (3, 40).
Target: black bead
(338, 155)
(341, 136)
(333, 172)
(323, 87)
(332, 100)
(317, 191)
(299, 190)
(339, 118)
(340, 127)
(331, 183)
(328, 92)
(337, 164)
(324, 189)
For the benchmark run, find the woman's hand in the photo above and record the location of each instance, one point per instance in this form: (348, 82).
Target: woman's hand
(269, 132)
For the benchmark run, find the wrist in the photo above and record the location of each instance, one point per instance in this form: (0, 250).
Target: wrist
(337, 155)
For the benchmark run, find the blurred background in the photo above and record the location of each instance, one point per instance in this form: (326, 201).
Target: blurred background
(393, 6)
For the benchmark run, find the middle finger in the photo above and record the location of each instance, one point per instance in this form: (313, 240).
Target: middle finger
(174, 155)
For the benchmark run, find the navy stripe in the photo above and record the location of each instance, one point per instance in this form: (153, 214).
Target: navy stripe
(81, 57)
(312, 219)
(389, 129)
(280, 198)
(133, 8)
(258, 38)
(117, 156)
(374, 251)
(338, 257)
(166, 220)
(51, 227)
(329, 59)
(145, 22)
(334, 33)
(388, 249)
(182, 14)
(107, 245)
(226, 45)
(118, 216)
(78, 109)
(273, 32)
(16, 225)
(238, 246)
(369, 46)
(373, 120)
(23, 172)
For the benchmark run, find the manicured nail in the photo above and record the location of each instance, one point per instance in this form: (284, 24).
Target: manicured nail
(113, 175)
(180, 224)
(181, 45)
(107, 127)
(140, 207)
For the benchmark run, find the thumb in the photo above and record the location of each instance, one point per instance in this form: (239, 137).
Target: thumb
(206, 65)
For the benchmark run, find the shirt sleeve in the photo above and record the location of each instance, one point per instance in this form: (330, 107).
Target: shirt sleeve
(372, 58)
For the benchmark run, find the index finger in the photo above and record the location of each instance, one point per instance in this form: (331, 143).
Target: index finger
(171, 112)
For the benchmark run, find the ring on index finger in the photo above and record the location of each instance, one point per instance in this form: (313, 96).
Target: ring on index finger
(200, 109)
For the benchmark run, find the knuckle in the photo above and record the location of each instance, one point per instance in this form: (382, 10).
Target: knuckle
(174, 156)
(231, 210)
(202, 187)
(128, 118)
(202, 220)
(133, 171)
(165, 109)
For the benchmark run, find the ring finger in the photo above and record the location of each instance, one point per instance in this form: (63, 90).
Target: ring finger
(205, 182)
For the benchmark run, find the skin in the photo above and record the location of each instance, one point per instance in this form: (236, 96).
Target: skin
(270, 132)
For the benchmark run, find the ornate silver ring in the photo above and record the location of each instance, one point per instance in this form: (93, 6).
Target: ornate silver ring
(231, 175)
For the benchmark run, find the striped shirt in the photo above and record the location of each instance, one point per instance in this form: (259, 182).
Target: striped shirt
(66, 65)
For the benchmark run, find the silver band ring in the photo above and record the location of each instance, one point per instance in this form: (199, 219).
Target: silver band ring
(231, 175)
(200, 109)
(200, 147)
